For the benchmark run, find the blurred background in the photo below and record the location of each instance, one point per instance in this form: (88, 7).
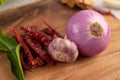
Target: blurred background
(9, 4)
(109, 5)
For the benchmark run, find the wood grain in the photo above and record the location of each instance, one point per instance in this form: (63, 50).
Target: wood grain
(105, 66)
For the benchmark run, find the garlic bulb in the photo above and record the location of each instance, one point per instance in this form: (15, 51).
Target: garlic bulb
(63, 50)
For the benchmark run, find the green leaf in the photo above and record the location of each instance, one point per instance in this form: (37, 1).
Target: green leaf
(12, 48)
(16, 67)
(6, 43)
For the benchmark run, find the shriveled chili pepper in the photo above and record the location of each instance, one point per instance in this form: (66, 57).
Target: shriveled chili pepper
(40, 37)
(37, 48)
(52, 29)
(25, 47)
(87, 6)
(48, 32)
(25, 66)
(37, 62)
(104, 12)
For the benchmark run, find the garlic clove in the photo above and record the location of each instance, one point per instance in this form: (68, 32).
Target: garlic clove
(63, 50)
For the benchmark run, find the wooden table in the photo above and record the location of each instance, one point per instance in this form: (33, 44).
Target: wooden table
(105, 66)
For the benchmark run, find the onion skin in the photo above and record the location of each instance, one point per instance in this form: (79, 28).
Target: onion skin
(78, 31)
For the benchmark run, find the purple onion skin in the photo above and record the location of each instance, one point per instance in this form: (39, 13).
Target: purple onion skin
(78, 31)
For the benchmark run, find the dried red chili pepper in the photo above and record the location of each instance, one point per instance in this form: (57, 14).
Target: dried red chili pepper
(52, 29)
(48, 32)
(104, 12)
(40, 37)
(25, 47)
(25, 66)
(37, 48)
(37, 62)
(86, 6)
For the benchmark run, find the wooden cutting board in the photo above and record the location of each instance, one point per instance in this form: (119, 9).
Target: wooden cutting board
(105, 66)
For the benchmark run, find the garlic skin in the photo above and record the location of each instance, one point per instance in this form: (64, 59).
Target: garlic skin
(63, 50)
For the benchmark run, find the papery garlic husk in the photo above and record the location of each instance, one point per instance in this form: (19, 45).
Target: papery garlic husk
(63, 50)
(70, 3)
(73, 3)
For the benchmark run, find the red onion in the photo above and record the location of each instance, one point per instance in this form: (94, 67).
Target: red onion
(90, 31)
